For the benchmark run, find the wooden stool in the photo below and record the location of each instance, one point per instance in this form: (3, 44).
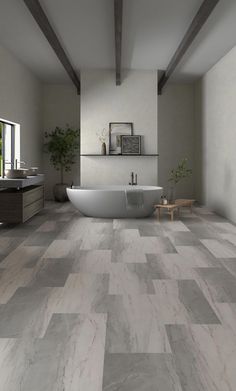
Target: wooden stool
(185, 202)
(171, 208)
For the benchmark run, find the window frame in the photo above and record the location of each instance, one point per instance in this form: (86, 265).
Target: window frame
(13, 126)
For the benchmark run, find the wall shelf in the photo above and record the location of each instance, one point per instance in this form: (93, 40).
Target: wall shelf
(99, 155)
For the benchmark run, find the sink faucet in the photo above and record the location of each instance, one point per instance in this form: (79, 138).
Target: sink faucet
(16, 163)
(133, 182)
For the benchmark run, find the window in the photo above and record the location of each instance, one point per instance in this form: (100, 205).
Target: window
(9, 145)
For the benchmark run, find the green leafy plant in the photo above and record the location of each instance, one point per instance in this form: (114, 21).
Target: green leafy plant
(62, 145)
(182, 171)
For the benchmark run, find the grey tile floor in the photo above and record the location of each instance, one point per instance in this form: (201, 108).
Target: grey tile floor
(118, 305)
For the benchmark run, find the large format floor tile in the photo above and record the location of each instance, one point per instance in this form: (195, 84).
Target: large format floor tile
(118, 305)
(143, 372)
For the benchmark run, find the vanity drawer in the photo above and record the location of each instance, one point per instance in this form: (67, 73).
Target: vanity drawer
(33, 195)
(32, 209)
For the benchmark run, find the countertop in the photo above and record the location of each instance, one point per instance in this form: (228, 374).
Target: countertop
(20, 183)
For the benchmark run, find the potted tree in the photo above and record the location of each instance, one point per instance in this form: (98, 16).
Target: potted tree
(176, 175)
(62, 145)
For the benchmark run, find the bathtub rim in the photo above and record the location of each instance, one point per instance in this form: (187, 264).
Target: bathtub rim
(116, 188)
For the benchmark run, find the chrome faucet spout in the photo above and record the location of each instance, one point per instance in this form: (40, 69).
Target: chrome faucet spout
(132, 179)
(133, 182)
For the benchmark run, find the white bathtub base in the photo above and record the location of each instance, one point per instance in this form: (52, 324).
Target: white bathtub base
(110, 201)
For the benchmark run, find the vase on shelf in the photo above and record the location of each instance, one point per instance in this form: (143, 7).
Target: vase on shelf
(103, 149)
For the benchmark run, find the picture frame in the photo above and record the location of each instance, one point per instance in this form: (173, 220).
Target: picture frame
(130, 145)
(116, 130)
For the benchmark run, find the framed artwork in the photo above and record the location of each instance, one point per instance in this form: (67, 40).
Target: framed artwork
(130, 145)
(116, 130)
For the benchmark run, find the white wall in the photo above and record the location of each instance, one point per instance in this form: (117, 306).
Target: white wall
(103, 102)
(21, 102)
(61, 106)
(176, 134)
(216, 136)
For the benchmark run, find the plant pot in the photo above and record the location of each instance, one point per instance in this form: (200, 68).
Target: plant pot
(103, 149)
(59, 192)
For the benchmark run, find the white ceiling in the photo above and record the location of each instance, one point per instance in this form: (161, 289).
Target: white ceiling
(152, 30)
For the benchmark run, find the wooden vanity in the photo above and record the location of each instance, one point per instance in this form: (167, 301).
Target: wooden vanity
(18, 204)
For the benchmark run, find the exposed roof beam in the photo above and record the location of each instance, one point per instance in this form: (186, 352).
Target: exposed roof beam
(198, 21)
(118, 10)
(44, 24)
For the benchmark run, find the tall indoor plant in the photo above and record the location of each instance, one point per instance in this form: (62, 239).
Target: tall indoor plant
(176, 175)
(62, 145)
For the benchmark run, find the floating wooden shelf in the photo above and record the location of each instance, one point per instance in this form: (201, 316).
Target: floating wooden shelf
(99, 155)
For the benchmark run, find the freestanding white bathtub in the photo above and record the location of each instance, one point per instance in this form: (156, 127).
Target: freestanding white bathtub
(110, 201)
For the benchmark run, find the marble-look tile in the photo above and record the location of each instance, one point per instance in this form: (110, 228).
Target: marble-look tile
(220, 283)
(134, 326)
(11, 279)
(225, 227)
(62, 249)
(204, 357)
(27, 313)
(140, 372)
(36, 221)
(23, 256)
(16, 231)
(203, 230)
(96, 241)
(92, 261)
(129, 247)
(202, 210)
(167, 304)
(8, 244)
(75, 228)
(151, 230)
(226, 312)
(52, 272)
(197, 256)
(213, 218)
(81, 293)
(121, 224)
(70, 356)
(80, 228)
(66, 297)
(40, 239)
(171, 266)
(124, 247)
(196, 304)
(183, 239)
(130, 278)
(229, 237)
(175, 226)
(230, 265)
(48, 226)
(220, 248)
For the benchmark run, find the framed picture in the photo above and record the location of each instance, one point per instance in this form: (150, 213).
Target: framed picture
(130, 145)
(116, 130)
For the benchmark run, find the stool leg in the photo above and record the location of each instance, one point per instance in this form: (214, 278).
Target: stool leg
(172, 215)
(159, 213)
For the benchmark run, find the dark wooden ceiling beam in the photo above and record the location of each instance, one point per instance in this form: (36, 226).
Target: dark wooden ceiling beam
(197, 23)
(118, 11)
(40, 17)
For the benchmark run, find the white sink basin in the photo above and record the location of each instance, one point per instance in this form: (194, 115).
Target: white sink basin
(20, 173)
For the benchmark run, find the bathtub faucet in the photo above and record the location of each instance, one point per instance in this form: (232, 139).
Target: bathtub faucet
(133, 182)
